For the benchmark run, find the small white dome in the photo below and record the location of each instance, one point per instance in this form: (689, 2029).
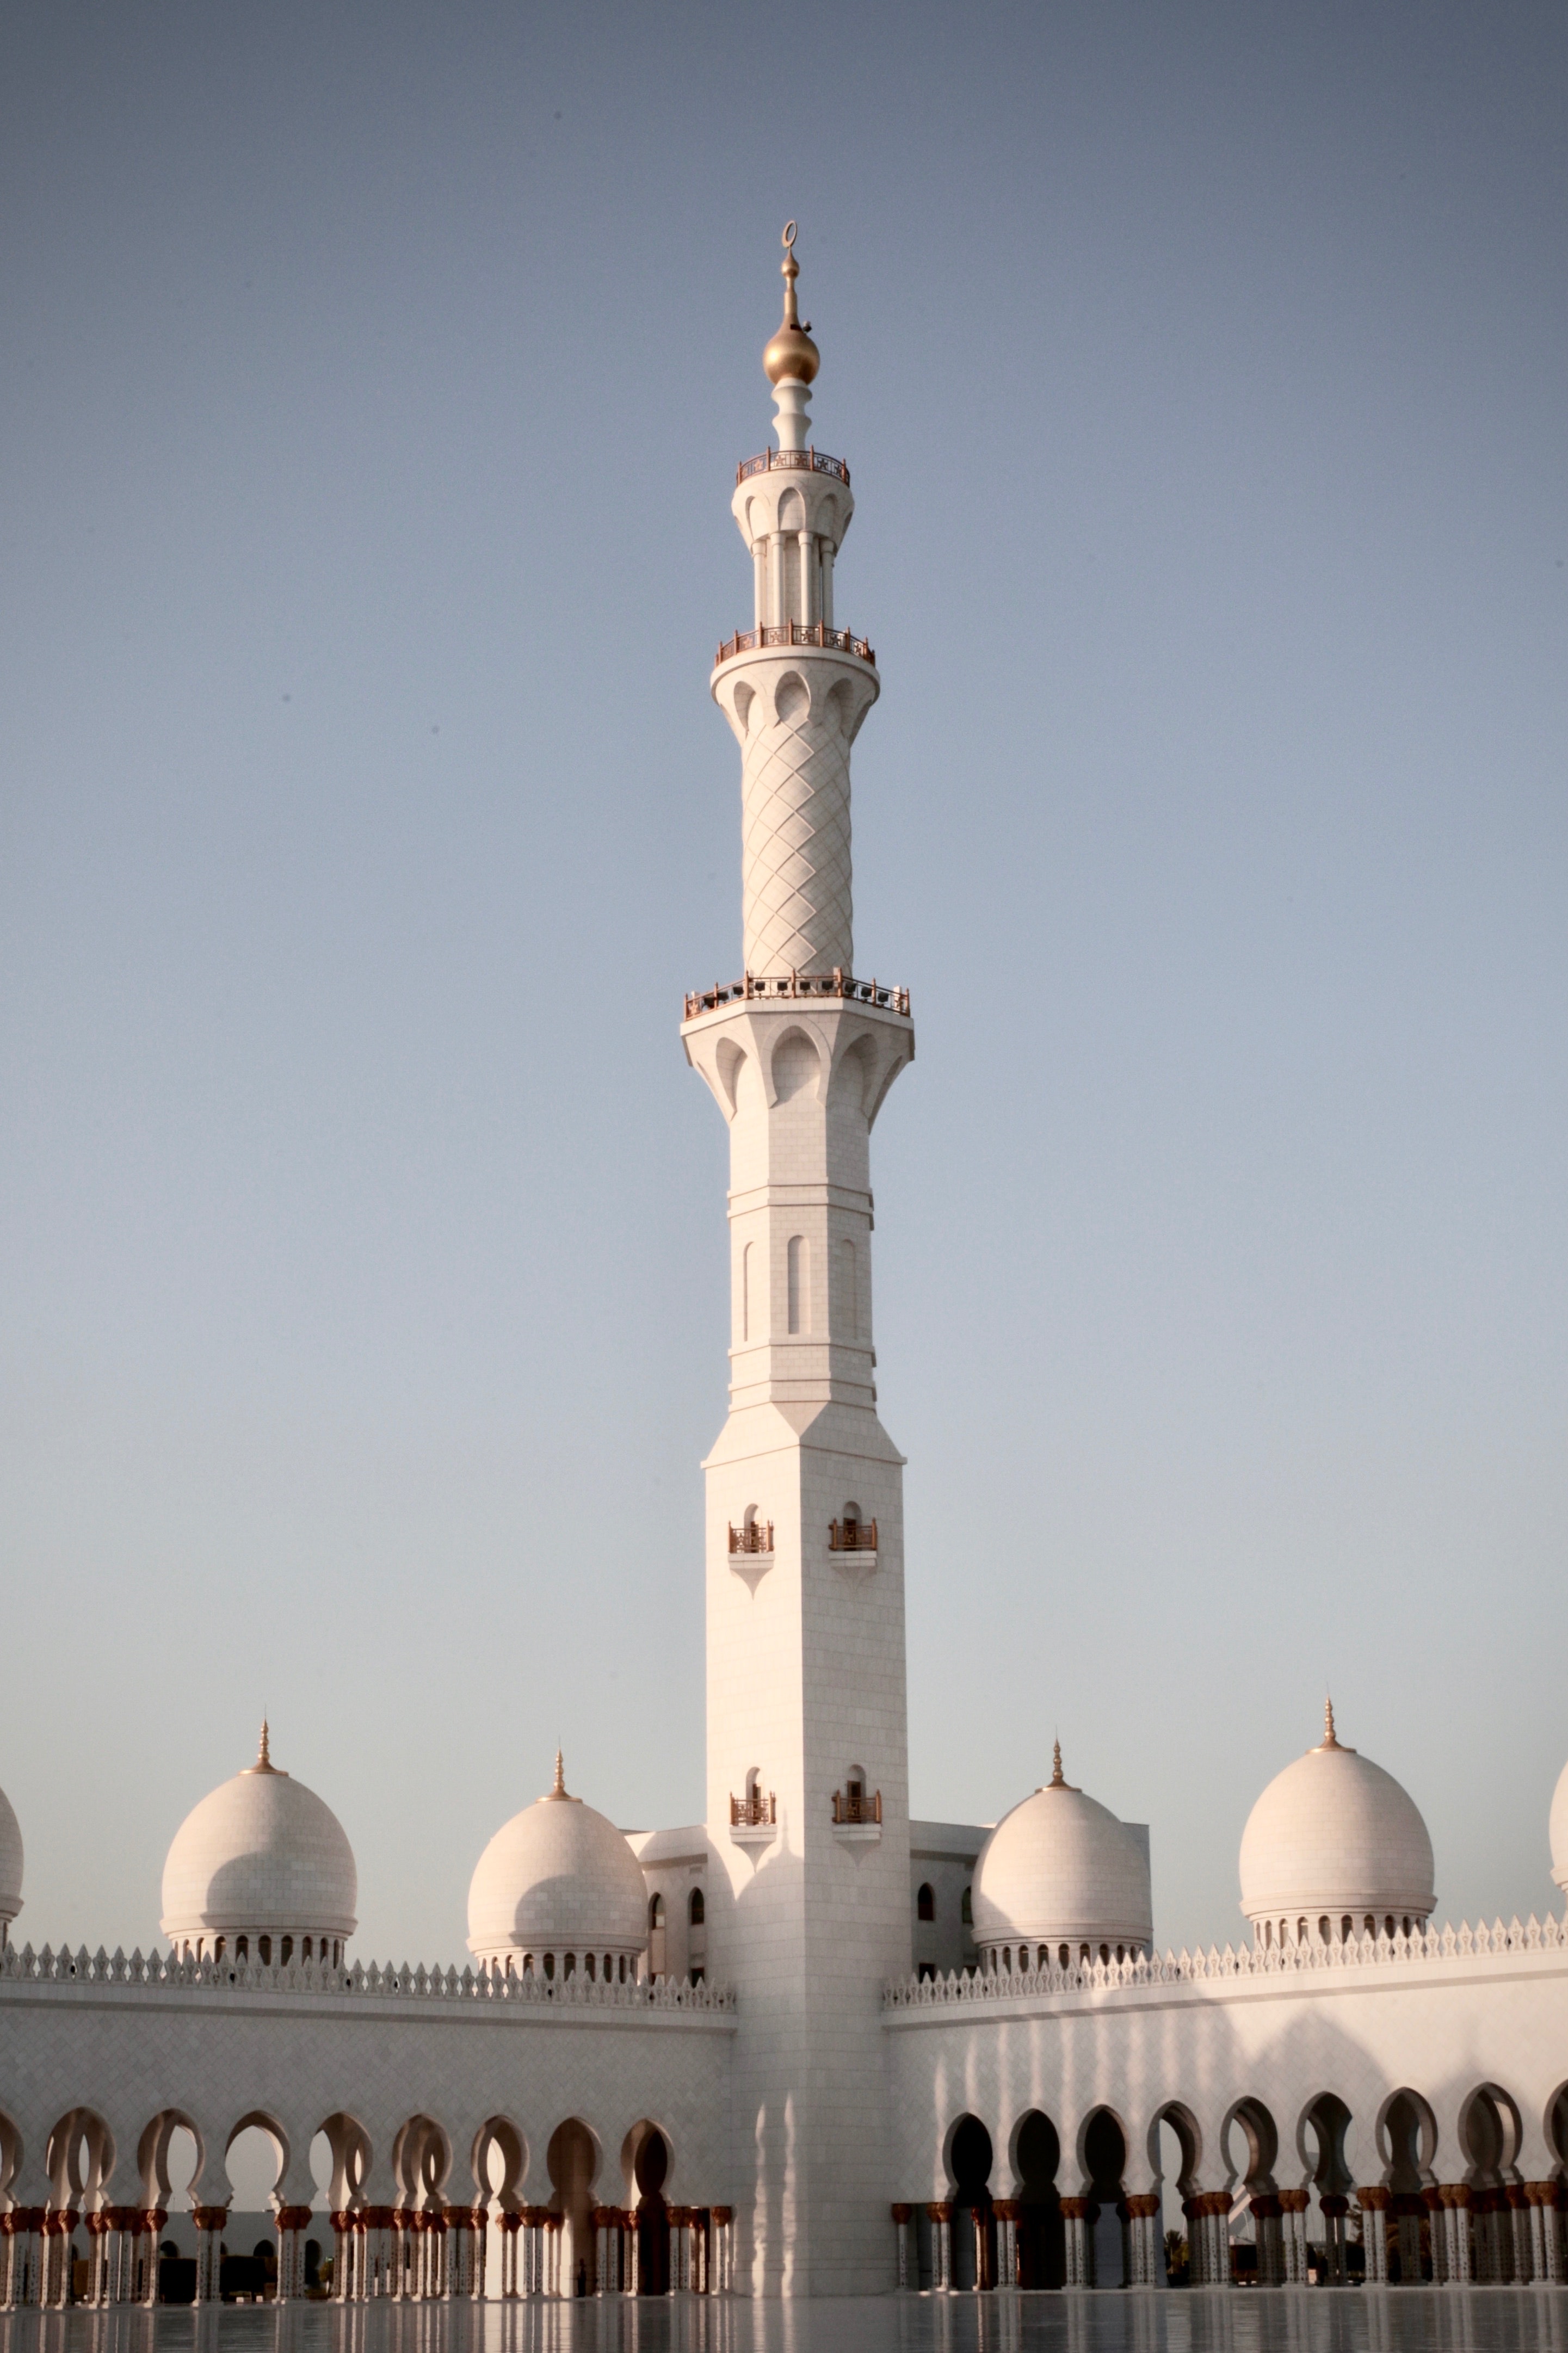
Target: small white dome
(1334, 1836)
(10, 1864)
(558, 1878)
(262, 1855)
(1559, 1831)
(1060, 1869)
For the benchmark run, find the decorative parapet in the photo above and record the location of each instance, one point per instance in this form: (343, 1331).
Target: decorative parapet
(163, 1970)
(974, 1989)
(820, 634)
(754, 986)
(792, 461)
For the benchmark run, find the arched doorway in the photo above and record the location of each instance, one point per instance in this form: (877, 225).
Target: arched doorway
(1105, 2162)
(1175, 2151)
(645, 2161)
(573, 2159)
(1042, 2238)
(1325, 2128)
(969, 2159)
(1249, 2139)
(1489, 2129)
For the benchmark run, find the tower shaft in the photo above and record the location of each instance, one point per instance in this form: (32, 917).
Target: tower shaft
(807, 1738)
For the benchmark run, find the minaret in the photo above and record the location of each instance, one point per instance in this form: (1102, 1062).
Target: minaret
(807, 1738)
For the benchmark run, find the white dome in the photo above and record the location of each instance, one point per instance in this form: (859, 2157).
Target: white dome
(1559, 1830)
(261, 1856)
(1060, 1869)
(558, 1878)
(10, 1864)
(1334, 1836)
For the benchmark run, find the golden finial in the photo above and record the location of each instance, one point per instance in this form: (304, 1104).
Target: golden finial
(1058, 1779)
(264, 1756)
(792, 352)
(1329, 1739)
(558, 1786)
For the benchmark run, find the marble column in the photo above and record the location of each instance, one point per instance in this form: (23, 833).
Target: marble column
(1006, 2210)
(939, 2213)
(1375, 2201)
(210, 2222)
(901, 2218)
(292, 2222)
(1293, 2204)
(1080, 2247)
(724, 2247)
(1335, 2210)
(152, 2220)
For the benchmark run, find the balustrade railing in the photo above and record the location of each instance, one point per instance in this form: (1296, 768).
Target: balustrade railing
(795, 633)
(759, 985)
(856, 1805)
(757, 1535)
(69, 1970)
(792, 461)
(756, 1810)
(851, 1536)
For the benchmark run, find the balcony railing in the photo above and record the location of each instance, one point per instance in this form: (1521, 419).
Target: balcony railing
(856, 1805)
(792, 461)
(754, 1812)
(795, 633)
(851, 1536)
(757, 1535)
(795, 984)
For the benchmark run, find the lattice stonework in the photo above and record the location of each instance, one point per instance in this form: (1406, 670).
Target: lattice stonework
(799, 907)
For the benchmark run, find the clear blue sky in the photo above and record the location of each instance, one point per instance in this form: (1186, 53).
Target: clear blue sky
(372, 382)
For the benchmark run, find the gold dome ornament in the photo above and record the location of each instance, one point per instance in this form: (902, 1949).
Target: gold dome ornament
(791, 353)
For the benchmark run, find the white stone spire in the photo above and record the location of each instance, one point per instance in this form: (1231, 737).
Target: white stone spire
(807, 1741)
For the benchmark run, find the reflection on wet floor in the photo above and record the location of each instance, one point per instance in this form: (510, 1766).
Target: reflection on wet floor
(1356, 2320)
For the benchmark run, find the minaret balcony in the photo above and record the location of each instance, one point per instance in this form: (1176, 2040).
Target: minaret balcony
(792, 461)
(852, 1535)
(757, 1535)
(855, 1808)
(753, 1821)
(755, 987)
(795, 633)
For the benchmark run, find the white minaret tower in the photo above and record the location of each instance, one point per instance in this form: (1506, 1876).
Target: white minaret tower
(807, 1737)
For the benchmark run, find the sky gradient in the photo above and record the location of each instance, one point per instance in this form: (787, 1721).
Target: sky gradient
(373, 381)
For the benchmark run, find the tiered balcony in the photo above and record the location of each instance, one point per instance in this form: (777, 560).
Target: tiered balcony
(852, 1535)
(757, 1535)
(795, 633)
(856, 1807)
(764, 987)
(792, 461)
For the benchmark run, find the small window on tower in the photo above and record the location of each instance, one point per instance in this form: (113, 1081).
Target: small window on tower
(925, 1902)
(966, 1910)
(697, 1910)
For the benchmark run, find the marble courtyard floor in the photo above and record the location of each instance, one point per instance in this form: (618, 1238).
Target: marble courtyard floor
(1351, 2320)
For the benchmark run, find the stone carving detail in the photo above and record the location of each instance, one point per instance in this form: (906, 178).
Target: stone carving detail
(799, 908)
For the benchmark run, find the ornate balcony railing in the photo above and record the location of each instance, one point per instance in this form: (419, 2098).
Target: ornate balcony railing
(851, 1536)
(757, 1535)
(856, 1805)
(792, 461)
(795, 633)
(754, 1812)
(795, 984)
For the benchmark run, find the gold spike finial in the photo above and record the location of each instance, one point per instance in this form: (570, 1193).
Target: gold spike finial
(558, 1786)
(1330, 1739)
(792, 352)
(264, 1756)
(1058, 1779)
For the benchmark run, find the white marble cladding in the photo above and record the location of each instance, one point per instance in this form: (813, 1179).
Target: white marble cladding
(800, 1083)
(134, 2043)
(1198, 2038)
(795, 712)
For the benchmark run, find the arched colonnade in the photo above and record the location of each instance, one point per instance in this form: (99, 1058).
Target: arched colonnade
(433, 2222)
(1033, 2208)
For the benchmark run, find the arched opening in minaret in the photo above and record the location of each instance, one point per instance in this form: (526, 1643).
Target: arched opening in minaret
(969, 2159)
(751, 1323)
(1042, 2237)
(656, 1937)
(849, 1290)
(798, 1266)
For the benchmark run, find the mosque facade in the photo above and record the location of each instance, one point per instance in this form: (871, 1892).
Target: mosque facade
(807, 2046)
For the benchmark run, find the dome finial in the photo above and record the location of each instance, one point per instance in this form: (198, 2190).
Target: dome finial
(1058, 1779)
(558, 1786)
(791, 356)
(1329, 1739)
(264, 1755)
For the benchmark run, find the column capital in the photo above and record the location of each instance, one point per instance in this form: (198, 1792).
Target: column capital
(293, 2218)
(940, 2210)
(1375, 2200)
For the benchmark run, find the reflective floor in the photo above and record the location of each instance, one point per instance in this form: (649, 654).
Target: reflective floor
(1353, 2320)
